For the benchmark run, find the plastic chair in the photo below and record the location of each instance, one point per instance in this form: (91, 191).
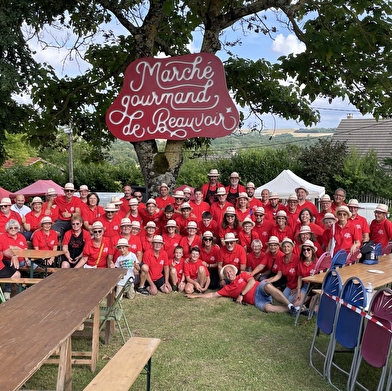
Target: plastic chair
(353, 258)
(347, 326)
(387, 249)
(332, 285)
(339, 259)
(377, 339)
(323, 263)
(116, 313)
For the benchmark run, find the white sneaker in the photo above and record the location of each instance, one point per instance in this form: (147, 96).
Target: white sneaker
(7, 295)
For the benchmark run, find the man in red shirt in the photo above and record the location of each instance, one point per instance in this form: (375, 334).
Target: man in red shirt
(68, 205)
(303, 203)
(127, 190)
(218, 208)
(338, 199)
(231, 253)
(359, 221)
(235, 188)
(243, 288)
(263, 227)
(273, 207)
(154, 270)
(198, 205)
(253, 201)
(210, 188)
(164, 198)
(381, 227)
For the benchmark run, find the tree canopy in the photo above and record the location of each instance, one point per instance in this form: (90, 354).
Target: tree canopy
(348, 54)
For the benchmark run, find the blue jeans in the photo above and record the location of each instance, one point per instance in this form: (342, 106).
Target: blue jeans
(261, 296)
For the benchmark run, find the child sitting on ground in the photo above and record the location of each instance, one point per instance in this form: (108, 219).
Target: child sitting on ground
(177, 278)
(127, 260)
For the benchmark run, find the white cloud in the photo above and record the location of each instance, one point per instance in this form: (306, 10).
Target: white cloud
(286, 45)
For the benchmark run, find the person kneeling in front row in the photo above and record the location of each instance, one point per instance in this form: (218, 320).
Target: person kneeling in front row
(245, 289)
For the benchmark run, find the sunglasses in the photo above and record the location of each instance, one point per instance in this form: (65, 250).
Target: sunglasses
(230, 216)
(13, 228)
(98, 231)
(307, 249)
(109, 211)
(4, 206)
(75, 223)
(207, 239)
(69, 191)
(139, 196)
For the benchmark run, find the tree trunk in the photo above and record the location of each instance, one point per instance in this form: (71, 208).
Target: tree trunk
(159, 167)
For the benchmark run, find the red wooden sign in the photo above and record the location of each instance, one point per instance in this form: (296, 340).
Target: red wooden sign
(173, 98)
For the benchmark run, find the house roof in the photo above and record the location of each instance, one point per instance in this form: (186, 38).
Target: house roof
(366, 134)
(30, 161)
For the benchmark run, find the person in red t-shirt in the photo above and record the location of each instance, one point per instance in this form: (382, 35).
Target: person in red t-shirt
(255, 257)
(253, 201)
(210, 189)
(209, 255)
(110, 221)
(273, 207)
(231, 254)
(98, 252)
(6, 214)
(164, 197)
(68, 205)
(92, 211)
(198, 205)
(171, 238)
(218, 208)
(191, 240)
(154, 270)
(177, 277)
(338, 199)
(33, 218)
(303, 203)
(359, 221)
(263, 227)
(46, 238)
(196, 273)
(246, 236)
(381, 227)
(244, 289)
(184, 218)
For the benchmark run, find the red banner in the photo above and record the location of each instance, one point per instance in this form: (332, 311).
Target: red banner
(173, 98)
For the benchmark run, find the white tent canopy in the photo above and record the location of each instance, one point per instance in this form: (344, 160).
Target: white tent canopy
(286, 183)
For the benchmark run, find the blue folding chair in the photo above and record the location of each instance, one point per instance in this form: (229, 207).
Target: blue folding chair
(332, 285)
(378, 249)
(347, 327)
(339, 259)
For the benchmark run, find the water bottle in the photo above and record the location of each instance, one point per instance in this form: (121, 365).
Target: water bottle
(369, 293)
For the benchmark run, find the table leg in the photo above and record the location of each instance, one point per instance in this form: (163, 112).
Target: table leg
(95, 341)
(64, 376)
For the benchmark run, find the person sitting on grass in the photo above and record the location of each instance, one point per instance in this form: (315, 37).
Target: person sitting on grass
(127, 260)
(177, 277)
(154, 270)
(245, 289)
(196, 273)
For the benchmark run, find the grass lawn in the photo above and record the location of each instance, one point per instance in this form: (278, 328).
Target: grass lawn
(213, 345)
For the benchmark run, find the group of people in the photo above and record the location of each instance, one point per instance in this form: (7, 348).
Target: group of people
(217, 237)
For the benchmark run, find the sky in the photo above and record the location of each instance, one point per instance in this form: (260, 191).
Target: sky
(253, 46)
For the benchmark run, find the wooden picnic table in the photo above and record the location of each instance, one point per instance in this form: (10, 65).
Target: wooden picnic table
(36, 254)
(39, 321)
(361, 271)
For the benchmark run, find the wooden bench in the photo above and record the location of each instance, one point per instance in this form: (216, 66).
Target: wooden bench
(22, 280)
(123, 369)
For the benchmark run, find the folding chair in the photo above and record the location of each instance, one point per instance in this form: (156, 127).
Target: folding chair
(347, 326)
(2, 298)
(353, 258)
(387, 249)
(115, 312)
(377, 338)
(332, 285)
(339, 259)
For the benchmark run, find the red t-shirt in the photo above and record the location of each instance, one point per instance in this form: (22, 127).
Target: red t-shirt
(92, 215)
(252, 260)
(170, 243)
(217, 210)
(344, 237)
(92, 253)
(156, 263)
(12, 216)
(237, 257)
(111, 228)
(161, 203)
(264, 232)
(187, 245)
(43, 241)
(235, 288)
(198, 210)
(381, 232)
(67, 206)
(191, 269)
(289, 270)
(210, 257)
(33, 220)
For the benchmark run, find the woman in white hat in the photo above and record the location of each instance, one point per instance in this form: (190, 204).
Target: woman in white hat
(191, 240)
(381, 227)
(34, 217)
(13, 239)
(98, 252)
(46, 238)
(73, 243)
(281, 229)
(134, 243)
(305, 234)
(92, 210)
(285, 268)
(305, 268)
(147, 236)
(230, 223)
(242, 207)
(209, 255)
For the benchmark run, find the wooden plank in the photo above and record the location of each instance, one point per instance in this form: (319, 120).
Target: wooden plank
(122, 370)
(38, 320)
(27, 281)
